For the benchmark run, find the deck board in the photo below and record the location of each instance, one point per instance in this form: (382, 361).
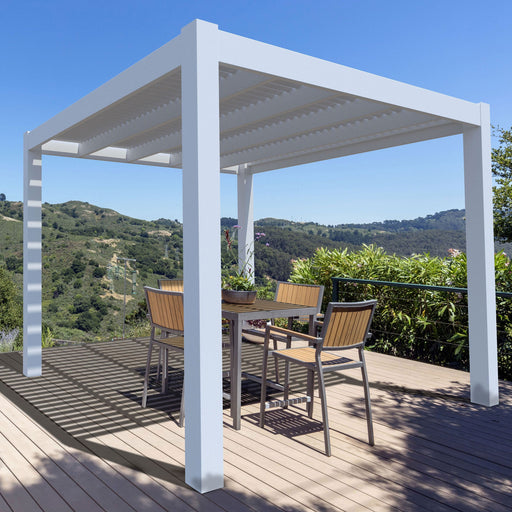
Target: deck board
(77, 439)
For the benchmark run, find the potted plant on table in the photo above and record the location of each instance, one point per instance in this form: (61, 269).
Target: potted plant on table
(237, 276)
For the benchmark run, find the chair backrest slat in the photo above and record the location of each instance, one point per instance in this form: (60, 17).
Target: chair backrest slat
(172, 285)
(303, 294)
(347, 323)
(165, 309)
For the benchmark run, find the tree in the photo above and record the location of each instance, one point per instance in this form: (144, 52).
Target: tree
(11, 315)
(502, 170)
(2, 197)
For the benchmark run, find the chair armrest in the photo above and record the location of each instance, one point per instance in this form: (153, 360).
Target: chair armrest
(287, 332)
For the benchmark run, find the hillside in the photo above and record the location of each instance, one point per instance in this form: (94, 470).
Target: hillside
(83, 285)
(434, 234)
(83, 276)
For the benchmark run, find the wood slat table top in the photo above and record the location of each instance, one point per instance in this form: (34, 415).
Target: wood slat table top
(265, 309)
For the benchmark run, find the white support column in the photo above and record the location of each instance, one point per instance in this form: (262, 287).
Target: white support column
(245, 219)
(480, 253)
(32, 265)
(204, 468)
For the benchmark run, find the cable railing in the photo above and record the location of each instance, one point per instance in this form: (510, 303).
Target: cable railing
(426, 322)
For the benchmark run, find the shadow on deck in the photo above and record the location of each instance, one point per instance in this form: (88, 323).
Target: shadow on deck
(88, 445)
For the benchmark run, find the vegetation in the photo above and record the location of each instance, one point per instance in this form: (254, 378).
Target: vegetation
(236, 275)
(84, 283)
(502, 170)
(426, 325)
(434, 234)
(10, 312)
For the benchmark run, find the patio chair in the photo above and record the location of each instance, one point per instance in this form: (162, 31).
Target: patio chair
(346, 326)
(165, 309)
(171, 285)
(292, 293)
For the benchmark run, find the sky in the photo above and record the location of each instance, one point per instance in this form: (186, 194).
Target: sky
(55, 52)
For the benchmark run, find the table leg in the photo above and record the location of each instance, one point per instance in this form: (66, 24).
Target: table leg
(236, 371)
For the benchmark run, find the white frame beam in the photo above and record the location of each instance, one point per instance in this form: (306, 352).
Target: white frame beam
(245, 220)
(201, 256)
(32, 262)
(264, 58)
(142, 73)
(483, 358)
(345, 134)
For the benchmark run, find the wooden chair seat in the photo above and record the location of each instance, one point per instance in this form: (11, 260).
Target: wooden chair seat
(307, 356)
(173, 341)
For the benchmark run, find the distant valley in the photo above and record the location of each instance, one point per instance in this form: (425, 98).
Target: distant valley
(83, 278)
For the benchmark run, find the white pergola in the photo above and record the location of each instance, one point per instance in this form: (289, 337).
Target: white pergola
(209, 102)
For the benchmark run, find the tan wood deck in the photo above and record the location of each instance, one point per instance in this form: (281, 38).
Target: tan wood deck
(77, 439)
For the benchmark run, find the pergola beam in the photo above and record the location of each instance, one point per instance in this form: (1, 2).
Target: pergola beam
(264, 58)
(138, 126)
(483, 354)
(245, 205)
(334, 116)
(201, 255)
(279, 104)
(32, 261)
(171, 143)
(349, 133)
(232, 85)
(142, 73)
(377, 143)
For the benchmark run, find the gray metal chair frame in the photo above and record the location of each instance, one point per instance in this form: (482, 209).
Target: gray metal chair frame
(166, 315)
(346, 326)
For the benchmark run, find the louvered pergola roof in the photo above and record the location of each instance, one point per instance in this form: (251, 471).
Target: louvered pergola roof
(277, 111)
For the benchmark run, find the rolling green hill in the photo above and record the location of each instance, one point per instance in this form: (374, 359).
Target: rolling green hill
(83, 285)
(83, 277)
(434, 234)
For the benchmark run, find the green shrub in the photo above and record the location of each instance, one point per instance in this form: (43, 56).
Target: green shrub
(426, 325)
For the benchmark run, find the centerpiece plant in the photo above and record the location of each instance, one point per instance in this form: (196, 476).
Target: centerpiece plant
(237, 274)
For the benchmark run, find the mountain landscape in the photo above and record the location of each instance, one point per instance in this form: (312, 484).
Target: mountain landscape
(88, 275)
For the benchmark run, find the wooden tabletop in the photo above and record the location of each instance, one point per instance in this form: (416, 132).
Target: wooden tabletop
(265, 309)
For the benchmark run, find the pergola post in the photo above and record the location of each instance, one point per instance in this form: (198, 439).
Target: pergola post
(204, 469)
(32, 264)
(480, 264)
(245, 219)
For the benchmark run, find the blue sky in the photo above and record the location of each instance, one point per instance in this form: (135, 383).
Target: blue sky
(55, 52)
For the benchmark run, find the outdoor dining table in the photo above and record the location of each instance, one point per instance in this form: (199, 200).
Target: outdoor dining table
(236, 314)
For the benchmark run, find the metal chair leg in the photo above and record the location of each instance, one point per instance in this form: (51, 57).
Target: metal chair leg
(286, 384)
(263, 398)
(310, 392)
(276, 362)
(146, 376)
(165, 371)
(287, 371)
(159, 367)
(369, 421)
(325, 419)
